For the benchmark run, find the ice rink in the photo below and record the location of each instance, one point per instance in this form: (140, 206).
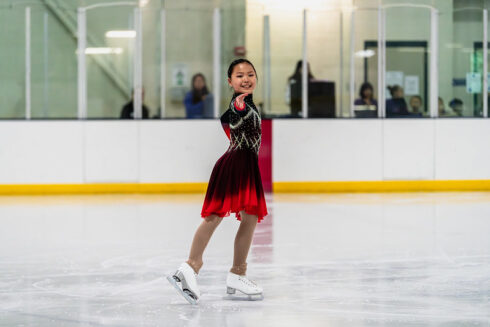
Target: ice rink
(414, 259)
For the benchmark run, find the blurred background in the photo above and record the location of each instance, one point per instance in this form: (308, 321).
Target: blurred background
(432, 49)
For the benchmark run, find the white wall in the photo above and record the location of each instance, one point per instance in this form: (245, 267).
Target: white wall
(174, 151)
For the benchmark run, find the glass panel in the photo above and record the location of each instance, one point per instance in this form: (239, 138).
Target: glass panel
(54, 65)
(324, 46)
(151, 57)
(233, 47)
(407, 62)
(110, 51)
(365, 65)
(189, 40)
(286, 54)
(12, 62)
(461, 64)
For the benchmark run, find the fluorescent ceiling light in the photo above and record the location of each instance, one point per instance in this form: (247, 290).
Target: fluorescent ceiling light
(365, 53)
(144, 2)
(120, 34)
(103, 50)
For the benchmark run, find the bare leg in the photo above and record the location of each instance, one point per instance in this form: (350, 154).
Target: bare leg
(201, 238)
(243, 240)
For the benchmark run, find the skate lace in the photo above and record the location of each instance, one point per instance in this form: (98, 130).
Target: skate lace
(248, 281)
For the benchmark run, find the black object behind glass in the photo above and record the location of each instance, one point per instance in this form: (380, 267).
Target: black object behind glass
(321, 99)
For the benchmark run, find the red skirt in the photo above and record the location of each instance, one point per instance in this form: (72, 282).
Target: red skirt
(235, 185)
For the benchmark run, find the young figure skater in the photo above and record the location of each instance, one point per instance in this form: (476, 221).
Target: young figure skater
(235, 186)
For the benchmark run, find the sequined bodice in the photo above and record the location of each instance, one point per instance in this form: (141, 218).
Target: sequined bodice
(243, 127)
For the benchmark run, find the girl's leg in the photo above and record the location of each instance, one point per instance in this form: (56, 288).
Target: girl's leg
(201, 239)
(243, 240)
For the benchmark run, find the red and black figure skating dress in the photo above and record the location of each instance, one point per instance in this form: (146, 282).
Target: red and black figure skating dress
(235, 183)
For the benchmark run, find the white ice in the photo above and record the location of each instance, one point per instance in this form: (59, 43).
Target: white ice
(416, 259)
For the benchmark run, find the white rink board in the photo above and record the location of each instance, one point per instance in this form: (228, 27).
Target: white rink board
(174, 151)
(373, 150)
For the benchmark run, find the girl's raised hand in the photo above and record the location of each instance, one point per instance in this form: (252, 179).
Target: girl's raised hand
(239, 100)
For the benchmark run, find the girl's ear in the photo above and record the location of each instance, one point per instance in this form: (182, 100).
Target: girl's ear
(229, 81)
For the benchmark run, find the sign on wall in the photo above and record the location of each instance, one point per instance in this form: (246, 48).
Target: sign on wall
(412, 85)
(180, 75)
(473, 83)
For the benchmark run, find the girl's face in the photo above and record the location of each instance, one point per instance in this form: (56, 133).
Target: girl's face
(243, 78)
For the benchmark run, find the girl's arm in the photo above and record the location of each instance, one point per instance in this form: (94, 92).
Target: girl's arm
(225, 123)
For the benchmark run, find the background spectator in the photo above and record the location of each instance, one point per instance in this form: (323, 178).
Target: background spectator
(366, 96)
(127, 111)
(198, 101)
(396, 106)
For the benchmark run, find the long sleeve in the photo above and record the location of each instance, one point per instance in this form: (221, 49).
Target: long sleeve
(225, 123)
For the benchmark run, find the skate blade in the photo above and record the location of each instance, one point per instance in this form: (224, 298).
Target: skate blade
(244, 297)
(186, 296)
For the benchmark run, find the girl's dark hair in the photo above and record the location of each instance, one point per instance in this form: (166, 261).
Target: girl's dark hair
(393, 89)
(297, 75)
(239, 61)
(366, 86)
(197, 94)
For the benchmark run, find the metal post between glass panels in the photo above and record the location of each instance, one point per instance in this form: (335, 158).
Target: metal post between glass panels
(46, 70)
(267, 65)
(381, 62)
(338, 110)
(216, 60)
(137, 82)
(163, 63)
(304, 75)
(485, 63)
(28, 62)
(434, 42)
(82, 72)
(351, 64)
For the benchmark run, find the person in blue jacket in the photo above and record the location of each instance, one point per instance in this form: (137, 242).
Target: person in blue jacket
(198, 101)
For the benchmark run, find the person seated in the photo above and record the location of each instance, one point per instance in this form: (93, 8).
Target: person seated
(127, 111)
(442, 109)
(415, 104)
(396, 106)
(198, 101)
(293, 97)
(366, 98)
(457, 106)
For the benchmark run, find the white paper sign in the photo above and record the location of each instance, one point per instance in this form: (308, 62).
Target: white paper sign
(394, 78)
(180, 75)
(412, 85)
(473, 83)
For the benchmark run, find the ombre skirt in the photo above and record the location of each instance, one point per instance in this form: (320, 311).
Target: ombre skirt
(235, 185)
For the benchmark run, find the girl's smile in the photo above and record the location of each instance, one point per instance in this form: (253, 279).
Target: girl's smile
(243, 78)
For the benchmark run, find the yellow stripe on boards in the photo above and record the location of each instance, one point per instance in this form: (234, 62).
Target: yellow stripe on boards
(382, 186)
(102, 188)
(278, 187)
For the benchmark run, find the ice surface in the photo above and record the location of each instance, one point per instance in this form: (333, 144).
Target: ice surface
(416, 259)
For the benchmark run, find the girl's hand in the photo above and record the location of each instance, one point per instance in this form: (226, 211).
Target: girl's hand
(239, 100)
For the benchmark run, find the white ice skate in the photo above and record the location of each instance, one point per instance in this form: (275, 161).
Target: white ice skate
(185, 282)
(236, 282)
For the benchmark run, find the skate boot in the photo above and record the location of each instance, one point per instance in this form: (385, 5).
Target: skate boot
(185, 282)
(236, 282)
